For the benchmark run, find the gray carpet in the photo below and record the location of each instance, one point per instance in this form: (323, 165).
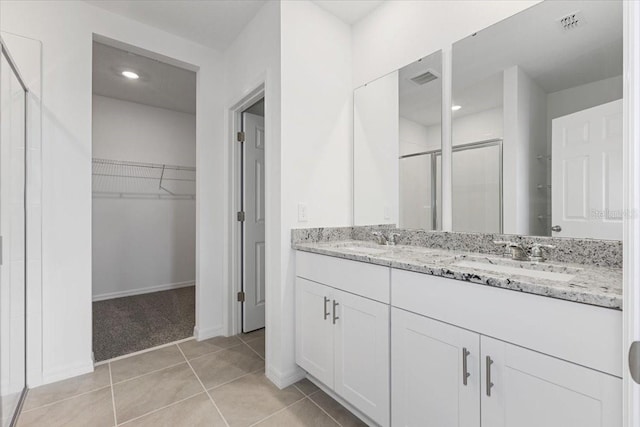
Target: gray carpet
(126, 325)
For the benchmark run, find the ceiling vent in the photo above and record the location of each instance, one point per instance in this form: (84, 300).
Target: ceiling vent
(572, 21)
(425, 77)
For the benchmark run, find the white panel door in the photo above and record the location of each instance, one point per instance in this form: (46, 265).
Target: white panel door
(428, 361)
(314, 329)
(587, 173)
(531, 389)
(361, 337)
(253, 245)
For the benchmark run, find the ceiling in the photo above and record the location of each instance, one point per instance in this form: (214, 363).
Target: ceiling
(160, 84)
(349, 11)
(556, 59)
(421, 103)
(216, 23)
(211, 23)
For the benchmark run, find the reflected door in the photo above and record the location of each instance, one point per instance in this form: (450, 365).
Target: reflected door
(254, 243)
(587, 173)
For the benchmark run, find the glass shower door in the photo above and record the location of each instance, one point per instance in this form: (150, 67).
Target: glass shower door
(12, 243)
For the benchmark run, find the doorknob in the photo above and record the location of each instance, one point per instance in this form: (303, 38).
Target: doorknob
(634, 361)
(556, 228)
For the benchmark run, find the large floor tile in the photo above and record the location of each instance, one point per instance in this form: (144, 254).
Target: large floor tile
(93, 409)
(144, 363)
(50, 393)
(197, 411)
(257, 345)
(252, 398)
(302, 414)
(153, 391)
(336, 410)
(223, 366)
(260, 333)
(193, 348)
(306, 386)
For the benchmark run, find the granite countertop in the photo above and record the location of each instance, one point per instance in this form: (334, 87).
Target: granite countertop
(600, 286)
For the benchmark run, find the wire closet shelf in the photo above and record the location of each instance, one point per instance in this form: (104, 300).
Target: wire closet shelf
(118, 178)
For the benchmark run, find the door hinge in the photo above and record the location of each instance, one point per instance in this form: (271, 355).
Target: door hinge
(241, 136)
(241, 296)
(240, 216)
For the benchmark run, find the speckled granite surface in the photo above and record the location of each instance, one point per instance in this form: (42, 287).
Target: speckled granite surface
(601, 253)
(588, 283)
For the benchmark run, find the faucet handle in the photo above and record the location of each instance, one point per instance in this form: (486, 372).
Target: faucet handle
(538, 250)
(380, 238)
(393, 238)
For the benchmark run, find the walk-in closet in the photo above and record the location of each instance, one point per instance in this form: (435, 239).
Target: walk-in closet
(144, 207)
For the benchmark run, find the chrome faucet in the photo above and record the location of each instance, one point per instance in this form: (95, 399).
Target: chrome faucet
(392, 240)
(519, 252)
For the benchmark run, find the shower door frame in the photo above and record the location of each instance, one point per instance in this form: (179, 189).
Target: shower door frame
(14, 68)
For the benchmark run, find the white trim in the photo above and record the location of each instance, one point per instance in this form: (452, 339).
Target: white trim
(234, 313)
(204, 334)
(140, 291)
(64, 372)
(283, 380)
(631, 188)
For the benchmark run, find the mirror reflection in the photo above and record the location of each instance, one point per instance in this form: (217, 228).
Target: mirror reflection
(537, 123)
(397, 147)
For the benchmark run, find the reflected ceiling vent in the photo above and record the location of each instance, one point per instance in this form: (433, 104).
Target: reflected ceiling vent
(425, 77)
(572, 21)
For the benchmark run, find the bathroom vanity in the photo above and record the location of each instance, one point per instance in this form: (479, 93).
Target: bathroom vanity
(418, 336)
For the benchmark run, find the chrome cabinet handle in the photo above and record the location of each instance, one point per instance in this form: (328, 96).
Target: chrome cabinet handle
(489, 362)
(335, 304)
(326, 313)
(465, 371)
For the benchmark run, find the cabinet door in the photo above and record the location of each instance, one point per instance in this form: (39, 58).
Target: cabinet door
(361, 337)
(428, 373)
(314, 330)
(531, 389)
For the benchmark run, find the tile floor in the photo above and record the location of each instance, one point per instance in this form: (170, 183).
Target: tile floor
(217, 382)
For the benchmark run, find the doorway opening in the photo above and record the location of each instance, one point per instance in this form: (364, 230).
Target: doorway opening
(143, 207)
(252, 216)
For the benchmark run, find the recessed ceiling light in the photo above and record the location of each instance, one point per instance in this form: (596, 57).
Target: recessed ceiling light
(130, 75)
(455, 108)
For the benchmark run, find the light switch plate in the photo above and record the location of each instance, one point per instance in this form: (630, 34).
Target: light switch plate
(302, 212)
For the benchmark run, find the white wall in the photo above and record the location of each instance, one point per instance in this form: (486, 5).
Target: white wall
(476, 127)
(66, 30)
(376, 148)
(524, 140)
(142, 244)
(398, 32)
(251, 60)
(124, 130)
(416, 138)
(317, 117)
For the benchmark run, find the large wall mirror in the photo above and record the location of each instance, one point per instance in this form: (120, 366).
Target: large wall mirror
(537, 123)
(397, 147)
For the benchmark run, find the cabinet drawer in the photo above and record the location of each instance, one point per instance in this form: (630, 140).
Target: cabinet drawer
(367, 280)
(583, 334)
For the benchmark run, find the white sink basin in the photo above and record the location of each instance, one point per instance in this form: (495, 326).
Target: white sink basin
(520, 271)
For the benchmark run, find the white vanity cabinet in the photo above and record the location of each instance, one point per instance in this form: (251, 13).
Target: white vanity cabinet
(532, 389)
(435, 371)
(342, 338)
(508, 385)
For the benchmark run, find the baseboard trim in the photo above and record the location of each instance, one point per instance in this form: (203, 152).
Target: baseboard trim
(206, 333)
(131, 292)
(65, 372)
(285, 380)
